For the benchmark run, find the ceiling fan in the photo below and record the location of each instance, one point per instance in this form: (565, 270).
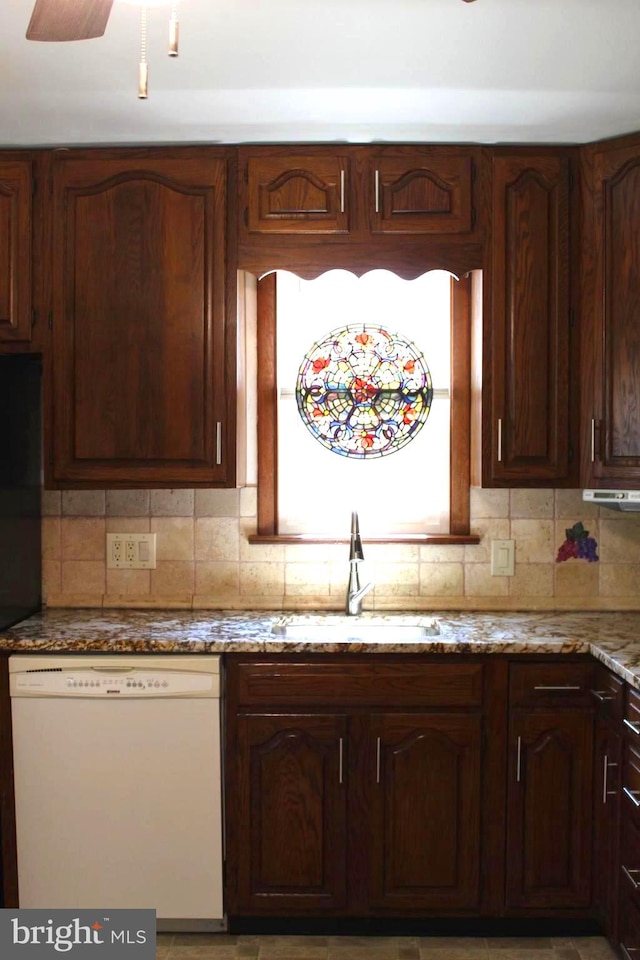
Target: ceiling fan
(61, 20)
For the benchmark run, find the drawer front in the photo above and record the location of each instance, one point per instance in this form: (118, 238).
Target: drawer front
(629, 922)
(631, 780)
(551, 684)
(630, 860)
(632, 711)
(608, 694)
(373, 684)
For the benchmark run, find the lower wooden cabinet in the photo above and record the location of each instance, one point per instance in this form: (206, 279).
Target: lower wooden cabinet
(344, 808)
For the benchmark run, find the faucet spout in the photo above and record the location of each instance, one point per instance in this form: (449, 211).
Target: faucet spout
(355, 592)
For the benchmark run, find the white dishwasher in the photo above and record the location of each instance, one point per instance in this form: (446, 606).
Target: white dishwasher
(117, 774)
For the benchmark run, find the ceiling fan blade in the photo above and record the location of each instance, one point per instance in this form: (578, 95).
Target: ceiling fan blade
(60, 20)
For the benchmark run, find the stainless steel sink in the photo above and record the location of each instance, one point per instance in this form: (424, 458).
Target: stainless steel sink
(334, 628)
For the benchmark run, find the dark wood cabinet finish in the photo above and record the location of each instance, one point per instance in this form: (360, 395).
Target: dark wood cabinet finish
(297, 194)
(527, 372)
(292, 799)
(143, 347)
(425, 815)
(17, 229)
(320, 207)
(376, 792)
(611, 307)
(548, 821)
(424, 190)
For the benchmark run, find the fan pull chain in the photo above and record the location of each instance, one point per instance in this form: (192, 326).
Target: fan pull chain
(143, 66)
(174, 30)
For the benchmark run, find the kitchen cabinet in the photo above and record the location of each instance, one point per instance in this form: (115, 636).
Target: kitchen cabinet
(527, 366)
(336, 806)
(628, 925)
(143, 364)
(550, 774)
(611, 312)
(17, 232)
(315, 208)
(609, 695)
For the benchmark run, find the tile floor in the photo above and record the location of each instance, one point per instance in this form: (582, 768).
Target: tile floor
(226, 947)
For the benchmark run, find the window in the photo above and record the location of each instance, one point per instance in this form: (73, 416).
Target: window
(306, 491)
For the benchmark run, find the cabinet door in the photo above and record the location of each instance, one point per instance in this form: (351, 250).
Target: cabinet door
(606, 794)
(292, 781)
(143, 362)
(549, 813)
(614, 434)
(424, 192)
(15, 250)
(425, 831)
(528, 326)
(296, 194)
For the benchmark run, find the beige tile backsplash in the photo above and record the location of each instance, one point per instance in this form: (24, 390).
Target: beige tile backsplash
(206, 561)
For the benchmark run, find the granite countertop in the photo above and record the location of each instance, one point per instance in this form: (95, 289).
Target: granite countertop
(610, 637)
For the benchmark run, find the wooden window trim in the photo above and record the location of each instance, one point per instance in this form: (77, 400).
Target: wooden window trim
(267, 531)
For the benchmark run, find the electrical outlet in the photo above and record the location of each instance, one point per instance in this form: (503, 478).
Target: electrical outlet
(502, 558)
(131, 551)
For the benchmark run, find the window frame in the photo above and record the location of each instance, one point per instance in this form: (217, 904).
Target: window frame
(267, 413)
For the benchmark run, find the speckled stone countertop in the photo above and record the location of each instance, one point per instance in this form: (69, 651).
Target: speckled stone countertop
(613, 638)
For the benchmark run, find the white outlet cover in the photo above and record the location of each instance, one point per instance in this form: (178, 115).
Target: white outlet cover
(131, 551)
(502, 558)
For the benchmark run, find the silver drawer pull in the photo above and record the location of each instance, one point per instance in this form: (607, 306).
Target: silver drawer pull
(593, 440)
(632, 726)
(602, 696)
(627, 951)
(378, 759)
(218, 443)
(629, 874)
(557, 689)
(340, 771)
(499, 452)
(376, 188)
(519, 760)
(342, 191)
(632, 795)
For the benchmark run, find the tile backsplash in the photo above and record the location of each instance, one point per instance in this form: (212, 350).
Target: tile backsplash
(204, 559)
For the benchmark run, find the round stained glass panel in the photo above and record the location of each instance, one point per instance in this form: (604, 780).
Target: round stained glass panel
(363, 391)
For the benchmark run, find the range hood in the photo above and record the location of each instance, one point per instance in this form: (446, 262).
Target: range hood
(626, 500)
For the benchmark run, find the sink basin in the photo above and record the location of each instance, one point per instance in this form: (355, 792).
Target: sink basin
(334, 628)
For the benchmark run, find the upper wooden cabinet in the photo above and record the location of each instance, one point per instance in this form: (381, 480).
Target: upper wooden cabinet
(359, 208)
(611, 309)
(527, 371)
(143, 353)
(16, 231)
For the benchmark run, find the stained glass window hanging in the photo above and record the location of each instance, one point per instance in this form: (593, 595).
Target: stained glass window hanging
(363, 391)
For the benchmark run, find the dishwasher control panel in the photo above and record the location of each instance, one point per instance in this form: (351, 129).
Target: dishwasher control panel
(113, 681)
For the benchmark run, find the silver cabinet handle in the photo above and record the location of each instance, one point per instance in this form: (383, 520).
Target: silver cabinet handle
(342, 191)
(593, 440)
(632, 726)
(218, 443)
(376, 178)
(518, 760)
(632, 796)
(605, 780)
(340, 759)
(557, 689)
(378, 759)
(602, 696)
(627, 951)
(629, 875)
(499, 440)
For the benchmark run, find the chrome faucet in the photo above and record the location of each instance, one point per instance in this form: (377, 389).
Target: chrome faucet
(355, 592)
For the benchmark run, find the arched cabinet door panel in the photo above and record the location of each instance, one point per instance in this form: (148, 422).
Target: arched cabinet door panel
(16, 226)
(142, 376)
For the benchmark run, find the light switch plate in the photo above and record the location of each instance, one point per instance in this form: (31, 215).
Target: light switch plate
(502, 558)
(131, 551)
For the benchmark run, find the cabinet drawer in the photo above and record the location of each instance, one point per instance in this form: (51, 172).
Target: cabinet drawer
(631, 780)
(630, 859)
(551, 684)
(632, 711)
(608, 693)
(629, 922)
(375, 684)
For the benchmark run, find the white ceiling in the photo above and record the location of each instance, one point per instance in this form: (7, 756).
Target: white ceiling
(355, 70)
